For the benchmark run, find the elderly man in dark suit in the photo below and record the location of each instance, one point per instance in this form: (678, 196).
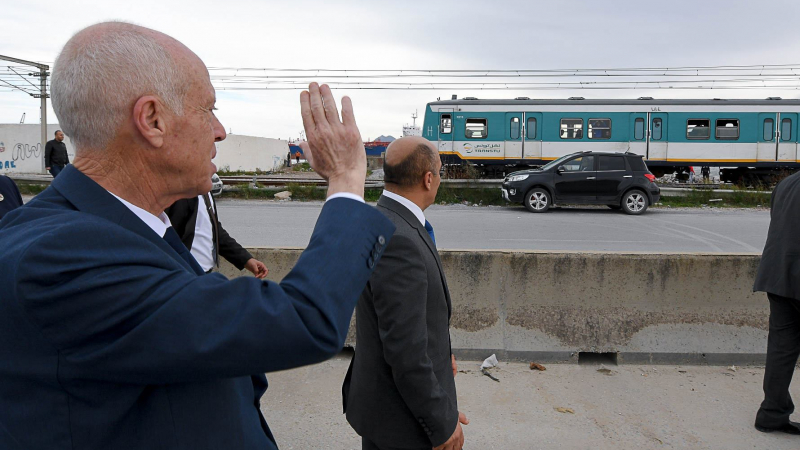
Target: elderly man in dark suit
(400, 389)
(779, 276)
(111, 335)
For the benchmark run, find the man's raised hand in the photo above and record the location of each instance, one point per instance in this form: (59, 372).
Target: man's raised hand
(334, 148)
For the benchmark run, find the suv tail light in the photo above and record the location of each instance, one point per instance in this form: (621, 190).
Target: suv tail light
(650, 177)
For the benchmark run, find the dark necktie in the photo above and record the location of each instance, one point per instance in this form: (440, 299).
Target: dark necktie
(174, 241)
(429, 229)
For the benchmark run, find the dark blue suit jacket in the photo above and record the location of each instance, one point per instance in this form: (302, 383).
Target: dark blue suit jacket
(109, 340)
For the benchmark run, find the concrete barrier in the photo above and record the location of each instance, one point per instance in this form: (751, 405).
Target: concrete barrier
(632, 308)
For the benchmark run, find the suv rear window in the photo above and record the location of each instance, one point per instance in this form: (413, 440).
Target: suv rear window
(611, 163)
(637, 164)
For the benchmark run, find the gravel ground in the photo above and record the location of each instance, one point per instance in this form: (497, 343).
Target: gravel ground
(632, 407)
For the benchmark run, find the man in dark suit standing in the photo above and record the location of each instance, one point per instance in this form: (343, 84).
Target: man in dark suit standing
(197, 223)
(111, 335)
(779, 276)
(55, 154)
(400, 389)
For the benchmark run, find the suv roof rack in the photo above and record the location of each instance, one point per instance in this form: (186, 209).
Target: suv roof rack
(470, 98)
(645, 98)
(576, 98)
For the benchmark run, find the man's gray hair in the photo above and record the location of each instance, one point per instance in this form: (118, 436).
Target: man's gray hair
(97, 79)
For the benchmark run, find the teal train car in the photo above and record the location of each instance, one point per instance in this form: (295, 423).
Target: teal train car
(747, 139)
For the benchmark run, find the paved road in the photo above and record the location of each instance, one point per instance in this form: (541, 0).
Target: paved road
(635, 407)
(259, 223)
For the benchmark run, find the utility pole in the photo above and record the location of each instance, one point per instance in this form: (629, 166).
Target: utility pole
(42, 74)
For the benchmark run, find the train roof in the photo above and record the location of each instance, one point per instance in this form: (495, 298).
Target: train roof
(574, 101)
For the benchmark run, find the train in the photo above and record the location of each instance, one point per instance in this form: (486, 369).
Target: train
(749, 140)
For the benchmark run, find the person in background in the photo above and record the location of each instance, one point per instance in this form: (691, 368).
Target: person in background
(55, 154)
(778, 277)
(10, 197)
(400, 390)
(705, 171)
(196, 222)
(297, 156)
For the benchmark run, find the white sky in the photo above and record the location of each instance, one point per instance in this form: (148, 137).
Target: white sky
(465, 34)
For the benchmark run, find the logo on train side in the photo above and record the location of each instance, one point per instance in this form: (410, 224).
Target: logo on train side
(481, 148)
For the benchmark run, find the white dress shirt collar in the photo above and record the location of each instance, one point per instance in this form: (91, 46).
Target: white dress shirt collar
(411, 206)
(159, 223)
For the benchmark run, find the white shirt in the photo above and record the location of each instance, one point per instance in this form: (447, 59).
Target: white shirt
(203, 242)
(411, 206)
(159, 223)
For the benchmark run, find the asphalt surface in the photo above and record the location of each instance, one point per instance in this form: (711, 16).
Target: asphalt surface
(630, 407)
(261, 223)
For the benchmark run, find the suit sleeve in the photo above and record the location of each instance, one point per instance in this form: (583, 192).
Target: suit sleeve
(120, 308)
(400, 287)
(230, 249)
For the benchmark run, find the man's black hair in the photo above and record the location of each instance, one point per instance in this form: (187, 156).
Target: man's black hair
(410, 170)
(57, 131)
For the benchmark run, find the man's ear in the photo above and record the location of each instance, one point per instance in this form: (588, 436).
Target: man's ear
(149, 118)
(427, 181)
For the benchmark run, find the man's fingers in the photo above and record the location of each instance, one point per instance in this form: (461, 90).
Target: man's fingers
(331, 113)
(305, 111)
(307, 152)
(348, 118)
(317, 111)
(463, 418)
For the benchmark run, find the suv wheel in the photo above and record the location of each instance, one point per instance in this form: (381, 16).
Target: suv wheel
(537, 200)
(634, 202)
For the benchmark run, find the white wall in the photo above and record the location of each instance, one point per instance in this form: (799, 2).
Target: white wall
(250, 153)
(21, 150)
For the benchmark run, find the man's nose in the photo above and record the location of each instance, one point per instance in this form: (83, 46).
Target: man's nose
(219, 130)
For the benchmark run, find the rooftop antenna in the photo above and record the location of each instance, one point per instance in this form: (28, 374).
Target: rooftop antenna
(22, 120)
(414, 116)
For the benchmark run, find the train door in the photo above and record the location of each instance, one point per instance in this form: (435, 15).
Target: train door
(513, 136)
(638, 135)
(532, 134)
(446, 131)
(657, 143)
(767, 145)
(787, 137)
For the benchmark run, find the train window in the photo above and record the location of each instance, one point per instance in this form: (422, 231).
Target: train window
(769, 129)
(727, 129)
(657, 130)
(571, 128)
(638, 129)
(698, 128)
(530, 132)
(476, 129)
(446, 125)
(515, 128)
(599, 128)
(611, 163)
(786, 129)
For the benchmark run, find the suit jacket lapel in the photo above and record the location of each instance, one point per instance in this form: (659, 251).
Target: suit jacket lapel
(412, 220)
(88, 196)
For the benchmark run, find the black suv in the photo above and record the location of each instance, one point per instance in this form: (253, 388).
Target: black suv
(619, 180)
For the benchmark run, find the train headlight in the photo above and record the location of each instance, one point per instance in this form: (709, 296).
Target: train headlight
(517, 178)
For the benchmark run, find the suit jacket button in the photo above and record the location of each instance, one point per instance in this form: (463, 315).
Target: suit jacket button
(421, 421)
(375, 254)
(371, 263)
(381, 240)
